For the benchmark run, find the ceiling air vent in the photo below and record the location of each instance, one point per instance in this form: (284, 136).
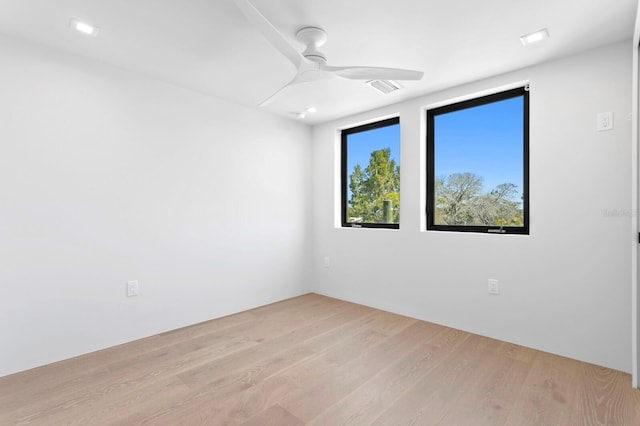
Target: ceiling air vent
(384, 86)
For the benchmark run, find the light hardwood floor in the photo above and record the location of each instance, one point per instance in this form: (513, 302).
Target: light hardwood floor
(319, 361)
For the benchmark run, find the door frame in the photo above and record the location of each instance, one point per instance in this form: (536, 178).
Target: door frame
(635, 294)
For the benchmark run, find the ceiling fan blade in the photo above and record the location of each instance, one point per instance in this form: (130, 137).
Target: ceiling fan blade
(269, 32)
(373, 73)
(298, 79)
(308, 72)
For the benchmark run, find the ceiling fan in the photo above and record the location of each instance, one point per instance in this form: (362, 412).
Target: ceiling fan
(311, 64)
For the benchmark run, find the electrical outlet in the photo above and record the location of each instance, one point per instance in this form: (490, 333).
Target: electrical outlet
(604, 121)
(133, 288)
(493, 287)
(326, 262)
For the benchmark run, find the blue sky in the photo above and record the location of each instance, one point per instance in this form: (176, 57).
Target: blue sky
(362, 144)
(485, 140)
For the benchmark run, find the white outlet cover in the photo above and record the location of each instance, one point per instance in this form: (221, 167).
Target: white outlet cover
(133, 288)
(604, 121)
(493, 286)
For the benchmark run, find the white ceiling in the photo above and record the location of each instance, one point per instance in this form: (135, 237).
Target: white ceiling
(209, 46)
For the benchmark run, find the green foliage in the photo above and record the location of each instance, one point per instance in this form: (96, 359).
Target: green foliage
(371, 187)
(459, 201)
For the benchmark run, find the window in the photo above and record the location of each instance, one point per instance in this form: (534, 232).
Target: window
(371, 175)
(478, 164)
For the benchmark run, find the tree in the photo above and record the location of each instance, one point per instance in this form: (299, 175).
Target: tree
(459, 201)
(455, 197)
(358, 204)
(379, 182)
(498, 207)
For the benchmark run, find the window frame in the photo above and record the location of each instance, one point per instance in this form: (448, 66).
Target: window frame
(430, 178)
(344, 134)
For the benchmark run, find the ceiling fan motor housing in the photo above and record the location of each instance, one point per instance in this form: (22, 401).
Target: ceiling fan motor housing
(312, 37)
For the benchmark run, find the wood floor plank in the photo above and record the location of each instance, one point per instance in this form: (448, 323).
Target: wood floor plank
(111, 408)
(548, 393)
(201, 406)
(333, 349)
(291, 381)
(319, 361)
(366, 403)
(600, 396)
(632, 406)
(332, 388)
(429, 401)
(304, 330)
(486, 399)
(218, 380)
(274, 416)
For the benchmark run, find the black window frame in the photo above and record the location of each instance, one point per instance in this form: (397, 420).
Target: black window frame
(344, 134)
(430, 196)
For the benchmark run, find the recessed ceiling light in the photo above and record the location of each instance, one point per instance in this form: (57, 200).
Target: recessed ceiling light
(303, 114)
(83, 27)
(535, 37)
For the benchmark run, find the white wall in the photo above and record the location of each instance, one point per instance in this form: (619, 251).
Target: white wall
(566, 287)
(107, 176)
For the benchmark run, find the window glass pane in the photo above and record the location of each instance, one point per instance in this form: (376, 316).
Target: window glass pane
(371, 175)
(478, 177)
